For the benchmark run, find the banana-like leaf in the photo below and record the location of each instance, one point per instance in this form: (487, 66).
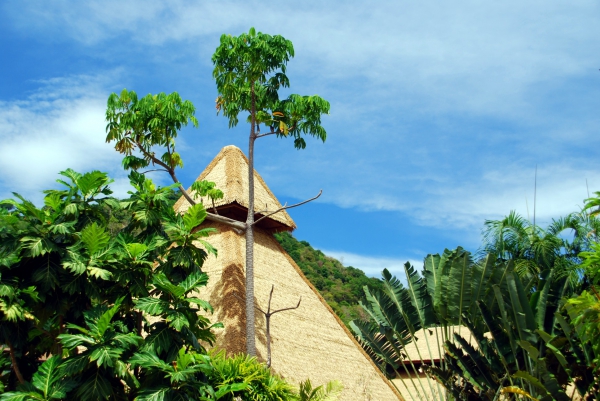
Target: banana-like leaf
(468, 369)
(501, 342)
(375, 344)
(419, 297)
(523, 315)
(484, 378)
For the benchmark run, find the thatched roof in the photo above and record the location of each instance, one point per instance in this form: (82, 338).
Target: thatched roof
(306, 343)
(429, 343)
(229, 171)
(428, 349)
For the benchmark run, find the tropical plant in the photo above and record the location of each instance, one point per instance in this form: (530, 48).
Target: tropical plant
(584, 308)
(113, 306)
(250, 69)
(518, 342)
(329, 392)
(249, 72)
(451, 286)
(534, 249)
(258, 382)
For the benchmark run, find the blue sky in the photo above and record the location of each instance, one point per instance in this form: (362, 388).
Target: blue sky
(440, 111)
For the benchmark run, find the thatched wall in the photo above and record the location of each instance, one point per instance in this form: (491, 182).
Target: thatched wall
(308, 342)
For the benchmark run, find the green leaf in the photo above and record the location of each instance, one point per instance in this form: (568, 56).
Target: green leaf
(153, 394)
(99, 273)
(74, 365)
(37, 246)
(201, 303)
(21, 396)
(159, 339)
(193, 281)
(46, 375)
(161, 281)
(135, 250)
(105, 355)
(75, 340)
(96, 387)
(94, 238)
(104, 321)
(230, 388)
(527, 346)
(152, 306)
(177, 320)
(194, 216)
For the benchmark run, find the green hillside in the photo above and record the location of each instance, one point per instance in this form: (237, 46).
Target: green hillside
(342, 287)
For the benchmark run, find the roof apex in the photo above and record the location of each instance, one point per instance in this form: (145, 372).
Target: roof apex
(229, 171)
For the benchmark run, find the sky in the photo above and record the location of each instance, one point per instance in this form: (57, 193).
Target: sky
(440, 111)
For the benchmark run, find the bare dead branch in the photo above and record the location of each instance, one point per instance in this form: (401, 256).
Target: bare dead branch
(156, 169)
(290, 308)
(285, 207)
(268, 315)
(238, 226)
(265, 134)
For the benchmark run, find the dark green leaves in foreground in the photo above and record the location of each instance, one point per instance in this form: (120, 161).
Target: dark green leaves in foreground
(80, 276)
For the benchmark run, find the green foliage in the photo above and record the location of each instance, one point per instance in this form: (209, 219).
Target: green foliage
(534, 249)
(584, 308)
(79, 285)
(250, 69)
(252, 380)
(153, 120)
(342, 287)
(510, 300)
(330, 392)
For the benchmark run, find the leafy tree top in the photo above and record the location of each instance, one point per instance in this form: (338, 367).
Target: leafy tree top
(249, 71)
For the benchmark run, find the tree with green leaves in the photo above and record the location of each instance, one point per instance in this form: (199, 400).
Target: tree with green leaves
(520, 339)
(250, 69)
(115, 308)
(585, 307)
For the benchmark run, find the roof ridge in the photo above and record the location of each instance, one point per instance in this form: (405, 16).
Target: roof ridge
(230, 178)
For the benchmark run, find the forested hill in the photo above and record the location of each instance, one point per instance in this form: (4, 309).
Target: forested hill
(342, 287)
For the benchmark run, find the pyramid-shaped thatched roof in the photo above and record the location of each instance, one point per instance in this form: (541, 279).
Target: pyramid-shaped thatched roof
(229, 171)
(310, 342)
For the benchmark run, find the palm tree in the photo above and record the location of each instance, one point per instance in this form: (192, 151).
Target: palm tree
(535, 250)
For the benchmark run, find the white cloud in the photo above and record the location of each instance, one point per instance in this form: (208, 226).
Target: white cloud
(373, 265)
(492, 194)
(470, 56)
(59, 126)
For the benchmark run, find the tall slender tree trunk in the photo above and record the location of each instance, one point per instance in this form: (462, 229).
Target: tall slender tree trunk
(250, 332)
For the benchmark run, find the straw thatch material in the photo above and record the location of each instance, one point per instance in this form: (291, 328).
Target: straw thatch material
(416, 385)
(306, 343)
(418, 349)
(229, 171)
(310, 342)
